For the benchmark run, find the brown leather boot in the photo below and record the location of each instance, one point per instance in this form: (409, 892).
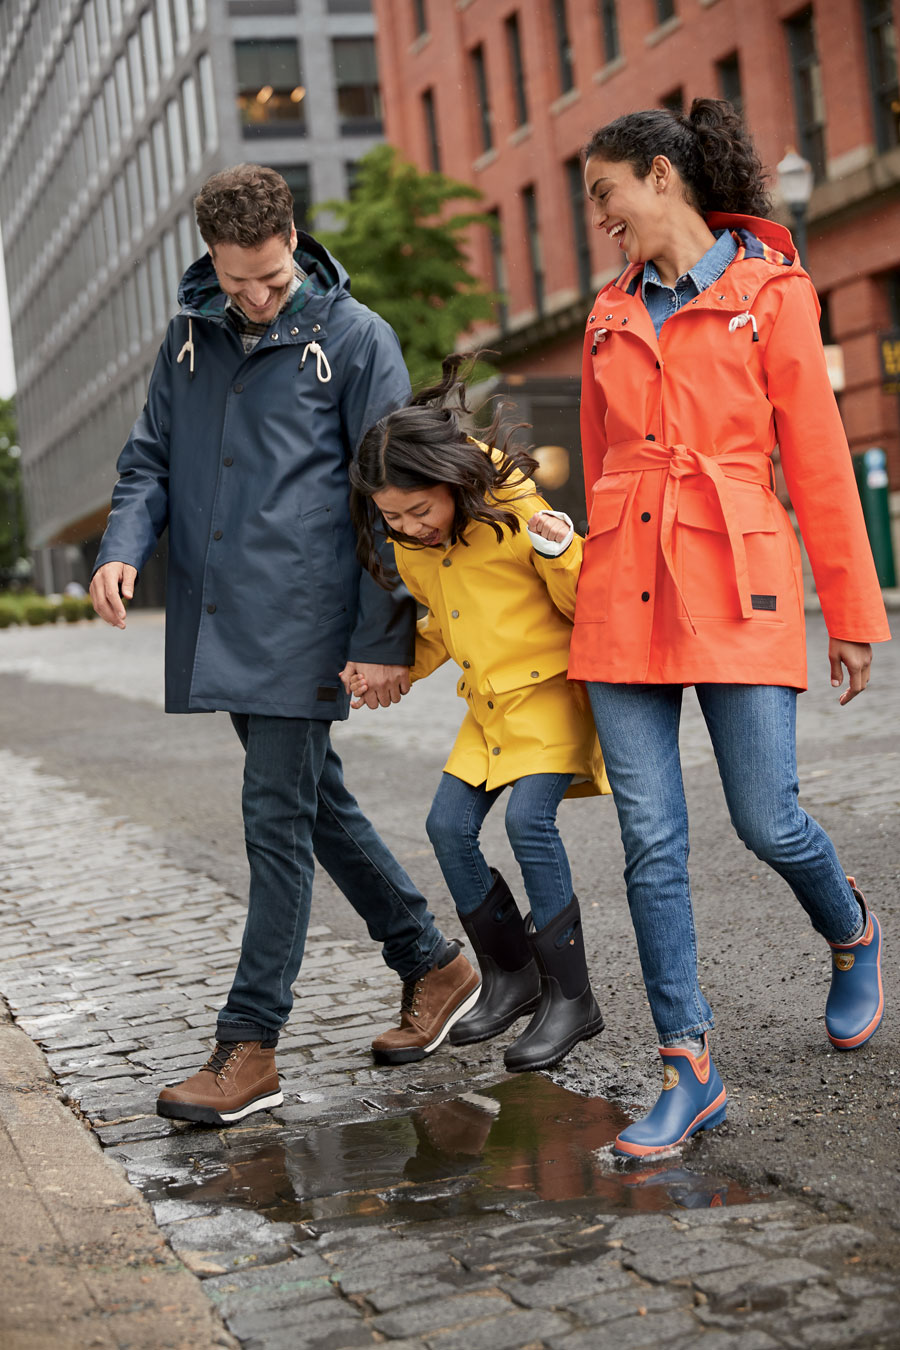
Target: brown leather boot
(236, 1080)
(428, 1009)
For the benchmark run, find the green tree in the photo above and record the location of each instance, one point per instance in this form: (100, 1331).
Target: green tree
(406, 258)
(12, 512)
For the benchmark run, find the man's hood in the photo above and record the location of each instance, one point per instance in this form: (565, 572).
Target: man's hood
(200, 294)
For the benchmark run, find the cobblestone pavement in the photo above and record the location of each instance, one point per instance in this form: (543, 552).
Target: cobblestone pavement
(441, 1205)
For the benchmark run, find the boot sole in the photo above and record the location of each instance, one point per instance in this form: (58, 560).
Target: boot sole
(593, 1030)
(414, 1053)
(458, 1037)
(207, 1115)
(714, 1115)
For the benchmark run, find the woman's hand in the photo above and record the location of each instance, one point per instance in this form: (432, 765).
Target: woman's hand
(550, 527)
(857, 657)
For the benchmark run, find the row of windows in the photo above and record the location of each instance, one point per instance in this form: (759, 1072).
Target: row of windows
(272, 97)
(172, 147)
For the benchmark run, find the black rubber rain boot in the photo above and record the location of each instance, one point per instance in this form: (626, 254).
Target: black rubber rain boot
(510, 980)
(568, 1011)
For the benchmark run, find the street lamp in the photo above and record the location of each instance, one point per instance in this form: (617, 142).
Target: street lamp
(795, 179)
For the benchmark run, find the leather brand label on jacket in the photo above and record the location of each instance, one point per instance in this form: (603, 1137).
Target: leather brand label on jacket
(762, 601)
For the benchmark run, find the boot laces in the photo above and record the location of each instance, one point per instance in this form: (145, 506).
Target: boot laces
(221, 1057)
(409, 1001)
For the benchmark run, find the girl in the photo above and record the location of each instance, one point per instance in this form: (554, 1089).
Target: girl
(500, 600)
(698, 359)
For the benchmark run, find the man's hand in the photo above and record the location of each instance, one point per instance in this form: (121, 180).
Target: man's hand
(112, 583)
(549, 527)
(384, 685)
(857, 657)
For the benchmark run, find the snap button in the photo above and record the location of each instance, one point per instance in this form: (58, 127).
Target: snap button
(317, 328)
(446, 562)
(645, 596)
(625, 320)
(462, 684)
(645, 516)
(745, 297)
(228, 461)
(535, 674)
(217, 534)
(274, 337)
(721, 297)
(210, 609)
(294, 332)
(490, 703)
(238, 388)
(591, 319)
(650, 436)
(454, 614)
(466, 665)
(609, 316)
(496, 750)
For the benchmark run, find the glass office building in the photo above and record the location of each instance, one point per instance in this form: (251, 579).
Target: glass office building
(113, 112)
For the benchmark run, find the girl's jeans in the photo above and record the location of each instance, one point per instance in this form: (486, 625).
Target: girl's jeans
(752, 728)
(454, 823)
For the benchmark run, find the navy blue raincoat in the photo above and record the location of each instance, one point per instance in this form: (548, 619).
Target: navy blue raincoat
(245, 460)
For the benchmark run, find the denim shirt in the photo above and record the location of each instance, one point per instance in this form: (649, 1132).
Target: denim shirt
(663, 301)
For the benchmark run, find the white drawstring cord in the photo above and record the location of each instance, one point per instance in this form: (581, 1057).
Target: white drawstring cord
(741, 321)
(188, 347)
(323, 369)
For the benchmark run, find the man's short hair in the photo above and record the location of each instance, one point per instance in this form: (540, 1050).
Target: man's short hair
(246, 205)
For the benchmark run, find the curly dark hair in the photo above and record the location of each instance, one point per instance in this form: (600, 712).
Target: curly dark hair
(423, 445)
(246, 205)
(710, 147)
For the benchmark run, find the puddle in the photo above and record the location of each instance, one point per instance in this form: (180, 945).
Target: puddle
(525, 1138)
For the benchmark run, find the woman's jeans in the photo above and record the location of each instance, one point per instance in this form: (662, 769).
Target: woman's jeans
(752, 728)
(454, 823)
(296, 807)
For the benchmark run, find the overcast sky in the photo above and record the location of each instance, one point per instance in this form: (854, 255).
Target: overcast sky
(7, 373)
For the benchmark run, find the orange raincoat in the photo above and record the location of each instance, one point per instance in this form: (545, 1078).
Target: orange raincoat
(691, 568)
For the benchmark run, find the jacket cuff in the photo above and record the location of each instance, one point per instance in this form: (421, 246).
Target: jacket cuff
(549, 548)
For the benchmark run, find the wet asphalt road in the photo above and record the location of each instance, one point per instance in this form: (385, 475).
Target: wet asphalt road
(802, 1118)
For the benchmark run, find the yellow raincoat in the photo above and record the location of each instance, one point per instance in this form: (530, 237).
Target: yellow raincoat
(504, 614)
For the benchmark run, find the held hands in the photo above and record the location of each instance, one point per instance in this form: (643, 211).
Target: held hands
(373, 685)
(551, 527)
(112, 583)
(857, 657)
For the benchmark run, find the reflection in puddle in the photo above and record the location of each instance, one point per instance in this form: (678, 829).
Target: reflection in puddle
(525, 1138)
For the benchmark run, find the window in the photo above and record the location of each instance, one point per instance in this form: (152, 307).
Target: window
(208, 103)
(420, 18)
(609, 22)
(270, 94)
(665, 10)
(579, 223)
(479, 76)
(151, 55)
(176, 142)
(429, 113)
(160, 162)
(517, 69)
(166, 37)
(563, 46)
(192, 133)
(881, 47)
(674, 100)
(498, 270)
(728, 75)
(297, 178)
(809, 102)
(529, 201)
(356, 81)
(351, 176)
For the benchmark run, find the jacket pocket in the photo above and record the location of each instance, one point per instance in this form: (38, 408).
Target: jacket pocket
(601, 549)
(324, 577)
(705, 563)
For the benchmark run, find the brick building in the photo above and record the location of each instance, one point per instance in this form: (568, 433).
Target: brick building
(503, 93)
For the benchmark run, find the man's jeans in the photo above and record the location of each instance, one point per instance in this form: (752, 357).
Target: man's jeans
(296, 806)
(454, 824)
(752, 728)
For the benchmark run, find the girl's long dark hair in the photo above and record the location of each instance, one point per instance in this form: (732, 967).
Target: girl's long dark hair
(424, 444)
(710, 147)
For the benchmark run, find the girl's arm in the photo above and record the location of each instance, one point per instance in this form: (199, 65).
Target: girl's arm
(819, 473)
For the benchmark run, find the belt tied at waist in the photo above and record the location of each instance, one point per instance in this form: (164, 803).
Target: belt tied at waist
(681, 461)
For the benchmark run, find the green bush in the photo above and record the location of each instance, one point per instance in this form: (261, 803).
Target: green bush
(9, 614)
(39, 611)
(88, 611)
(72, 608)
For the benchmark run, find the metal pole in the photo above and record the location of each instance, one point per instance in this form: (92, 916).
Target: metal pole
(798, 211)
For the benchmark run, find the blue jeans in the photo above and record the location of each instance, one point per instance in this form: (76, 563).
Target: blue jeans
(454, 824)
(752, 728)
(296, 807)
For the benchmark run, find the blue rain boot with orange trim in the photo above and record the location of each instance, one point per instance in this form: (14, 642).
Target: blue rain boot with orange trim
(693, 1098)
(856, 999)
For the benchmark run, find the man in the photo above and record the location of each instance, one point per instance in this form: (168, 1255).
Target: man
(265, 383)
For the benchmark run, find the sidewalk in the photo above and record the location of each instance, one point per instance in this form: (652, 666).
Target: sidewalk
(441, 1206)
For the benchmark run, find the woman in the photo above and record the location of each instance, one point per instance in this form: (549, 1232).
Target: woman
(699, 359)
